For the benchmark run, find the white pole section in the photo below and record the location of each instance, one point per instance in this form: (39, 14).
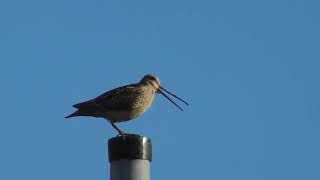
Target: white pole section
(130, 157)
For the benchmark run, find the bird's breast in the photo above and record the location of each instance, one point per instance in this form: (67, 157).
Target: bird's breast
(138, 106)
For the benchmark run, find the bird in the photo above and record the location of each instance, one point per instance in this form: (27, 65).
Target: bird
(124, 103)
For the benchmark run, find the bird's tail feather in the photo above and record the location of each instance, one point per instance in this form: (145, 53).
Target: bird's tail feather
(80, 112)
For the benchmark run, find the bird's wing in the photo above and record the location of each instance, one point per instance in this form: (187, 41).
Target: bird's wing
(118, 98)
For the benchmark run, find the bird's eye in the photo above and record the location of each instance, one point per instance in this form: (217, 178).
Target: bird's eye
(152, 78)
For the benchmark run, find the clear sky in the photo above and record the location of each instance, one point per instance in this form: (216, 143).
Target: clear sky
(249, 69)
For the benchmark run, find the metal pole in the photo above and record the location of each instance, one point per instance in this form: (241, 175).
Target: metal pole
(130, 157)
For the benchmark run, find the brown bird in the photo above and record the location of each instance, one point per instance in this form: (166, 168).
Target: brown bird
(124, 103)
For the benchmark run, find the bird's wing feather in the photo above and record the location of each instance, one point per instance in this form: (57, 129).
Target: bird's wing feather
(115, 99)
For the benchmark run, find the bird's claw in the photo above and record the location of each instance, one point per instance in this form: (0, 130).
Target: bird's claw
(123, 135)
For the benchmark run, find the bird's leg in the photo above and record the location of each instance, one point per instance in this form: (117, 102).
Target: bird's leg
(121, 133)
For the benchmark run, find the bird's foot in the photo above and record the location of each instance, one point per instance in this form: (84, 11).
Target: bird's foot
(123, 135)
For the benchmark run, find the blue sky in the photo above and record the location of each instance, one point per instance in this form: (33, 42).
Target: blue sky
(249, 69)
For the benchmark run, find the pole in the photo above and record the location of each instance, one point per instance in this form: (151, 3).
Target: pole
(130, 157)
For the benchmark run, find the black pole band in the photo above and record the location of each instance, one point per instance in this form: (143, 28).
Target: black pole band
(133, 146)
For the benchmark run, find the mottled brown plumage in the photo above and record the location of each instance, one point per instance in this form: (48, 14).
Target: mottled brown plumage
(123, 103)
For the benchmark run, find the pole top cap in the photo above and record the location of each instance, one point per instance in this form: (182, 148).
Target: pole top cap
(133, 146)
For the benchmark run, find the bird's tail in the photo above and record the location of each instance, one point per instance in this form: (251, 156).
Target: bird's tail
(79, 112)
(71, 115)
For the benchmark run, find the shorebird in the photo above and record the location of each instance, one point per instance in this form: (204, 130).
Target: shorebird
(124, 103)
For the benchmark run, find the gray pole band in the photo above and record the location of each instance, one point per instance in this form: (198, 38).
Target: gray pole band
(130, 157)
(134, 169)
(132, 147)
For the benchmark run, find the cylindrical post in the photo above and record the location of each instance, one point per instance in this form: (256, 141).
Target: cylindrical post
(130, 157)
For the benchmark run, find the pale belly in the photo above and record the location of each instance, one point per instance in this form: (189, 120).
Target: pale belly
(126, 115)
(120, 116)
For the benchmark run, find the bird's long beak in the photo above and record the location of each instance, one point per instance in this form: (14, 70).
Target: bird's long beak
(161, 89)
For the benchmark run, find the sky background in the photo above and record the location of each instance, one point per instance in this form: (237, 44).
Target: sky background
(249, 69)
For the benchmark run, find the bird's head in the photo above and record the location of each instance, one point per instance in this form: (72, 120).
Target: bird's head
(155, 82)
(152, 80)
